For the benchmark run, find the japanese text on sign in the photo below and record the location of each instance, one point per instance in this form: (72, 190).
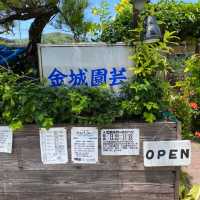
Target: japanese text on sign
(84, 145)
(84, 77)
(89, 65)
(53, 145)
(120, 141)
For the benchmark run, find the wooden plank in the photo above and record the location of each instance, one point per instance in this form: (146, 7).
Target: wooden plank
(86, 196)
(9, 161)
(26, 155)
(178, 169)
(94, 177)
(24, 177)
(27, 143)
(159, 129)
(87, 187)
(31, 159)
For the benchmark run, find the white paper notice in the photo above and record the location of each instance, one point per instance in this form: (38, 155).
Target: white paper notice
(117, 142)
(84, 145)
(6, 139)
(53, 145)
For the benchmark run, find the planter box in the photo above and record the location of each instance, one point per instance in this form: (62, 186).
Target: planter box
(24, 177)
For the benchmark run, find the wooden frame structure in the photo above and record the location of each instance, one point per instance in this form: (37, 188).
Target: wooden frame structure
(24, 177)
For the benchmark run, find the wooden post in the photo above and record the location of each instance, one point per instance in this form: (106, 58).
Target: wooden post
(135, 16)
(178, 169)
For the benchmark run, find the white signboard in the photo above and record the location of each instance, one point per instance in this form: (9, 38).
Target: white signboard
(6, 139)
(92, 65)
(117, 142)
(167, 153)
(84, 145)
(53, 145)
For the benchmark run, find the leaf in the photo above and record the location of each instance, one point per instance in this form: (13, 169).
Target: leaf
(194, 193)
(151, 106)
(16, 124)
(149, 117)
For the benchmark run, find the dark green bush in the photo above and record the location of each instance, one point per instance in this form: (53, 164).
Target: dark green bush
(23, 102)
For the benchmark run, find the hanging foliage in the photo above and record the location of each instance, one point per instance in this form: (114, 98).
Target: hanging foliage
(173, 15)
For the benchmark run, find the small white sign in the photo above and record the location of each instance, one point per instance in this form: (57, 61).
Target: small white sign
(84, 145)
(53, 145)
(117, 142)
(6, 139)
(167, 153)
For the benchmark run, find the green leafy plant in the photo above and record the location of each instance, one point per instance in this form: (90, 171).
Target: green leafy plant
(194, 193)
(184, 186)
(178, 16)
(189, 90)
(146, 96)
(192, 88)
(24, 102)
(186, 190)
(172, 15)
(182, 111)
(103, 14)
(71, 17)
(119, 28)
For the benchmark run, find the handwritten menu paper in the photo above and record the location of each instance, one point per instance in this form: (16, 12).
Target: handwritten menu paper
(6, 139)
(84, 145)
(53, 145)
(117, 142)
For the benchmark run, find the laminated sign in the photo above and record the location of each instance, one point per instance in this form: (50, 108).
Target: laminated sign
(84, 145)
(6, 139)
(120, 142)
(53, 145)
(167, 153)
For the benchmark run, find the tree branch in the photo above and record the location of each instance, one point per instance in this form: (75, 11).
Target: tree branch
(27, 13)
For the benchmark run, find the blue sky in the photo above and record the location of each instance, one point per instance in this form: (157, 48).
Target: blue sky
(21, 30)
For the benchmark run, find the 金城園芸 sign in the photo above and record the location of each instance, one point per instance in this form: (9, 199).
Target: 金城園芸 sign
(89, 65)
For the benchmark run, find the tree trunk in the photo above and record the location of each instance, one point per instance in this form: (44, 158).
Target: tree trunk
(35, 35)
(197, 48)
(135, 18)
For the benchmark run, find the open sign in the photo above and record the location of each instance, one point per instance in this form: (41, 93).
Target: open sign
(167, 153)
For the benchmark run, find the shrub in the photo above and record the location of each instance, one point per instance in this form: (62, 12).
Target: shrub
(23, 101)
(189, 89)
(172, 15)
